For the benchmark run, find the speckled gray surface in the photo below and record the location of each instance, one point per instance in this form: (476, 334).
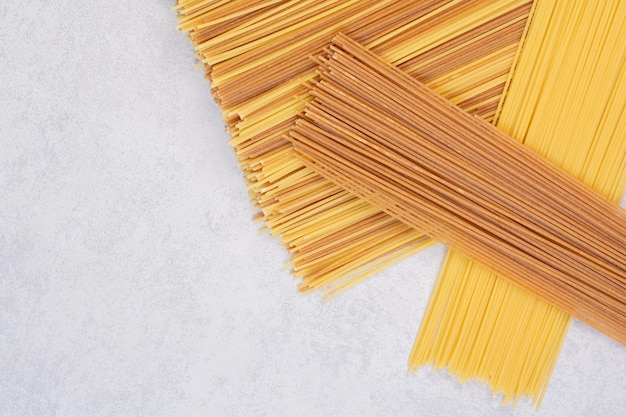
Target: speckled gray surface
(133, 282)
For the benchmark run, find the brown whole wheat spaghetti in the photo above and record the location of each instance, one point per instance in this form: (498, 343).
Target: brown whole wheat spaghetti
(392, 141)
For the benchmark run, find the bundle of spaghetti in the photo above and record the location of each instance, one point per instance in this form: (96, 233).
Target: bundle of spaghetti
(256, 58)
(389, 139)
(567, 101)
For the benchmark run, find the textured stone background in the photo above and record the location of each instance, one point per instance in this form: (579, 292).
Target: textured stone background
(132, 280)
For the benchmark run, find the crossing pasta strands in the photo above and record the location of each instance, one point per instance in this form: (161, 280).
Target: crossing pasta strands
(390, 140)
(566, 101)
(256, 55)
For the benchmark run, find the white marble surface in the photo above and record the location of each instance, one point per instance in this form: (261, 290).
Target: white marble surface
(133, 280)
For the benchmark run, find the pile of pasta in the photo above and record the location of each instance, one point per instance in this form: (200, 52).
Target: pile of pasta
(257, 56)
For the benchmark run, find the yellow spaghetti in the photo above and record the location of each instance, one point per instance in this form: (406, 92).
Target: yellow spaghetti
(567, 100)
